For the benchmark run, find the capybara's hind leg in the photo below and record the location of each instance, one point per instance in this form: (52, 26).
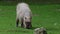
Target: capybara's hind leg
(22, 23)
(17, 22)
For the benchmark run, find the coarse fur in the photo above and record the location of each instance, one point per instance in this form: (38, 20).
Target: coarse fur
(40, 31)
(24, 15)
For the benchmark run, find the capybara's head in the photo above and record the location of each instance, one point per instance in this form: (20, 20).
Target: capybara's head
(28, 22)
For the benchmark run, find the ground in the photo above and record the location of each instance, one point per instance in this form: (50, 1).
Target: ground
(47, 16)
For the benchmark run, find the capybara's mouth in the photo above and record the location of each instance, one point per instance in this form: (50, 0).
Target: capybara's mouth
(28, 25)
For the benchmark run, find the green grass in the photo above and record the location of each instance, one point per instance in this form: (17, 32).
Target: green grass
(46, 16)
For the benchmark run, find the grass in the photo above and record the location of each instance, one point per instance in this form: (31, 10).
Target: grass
(46, 16)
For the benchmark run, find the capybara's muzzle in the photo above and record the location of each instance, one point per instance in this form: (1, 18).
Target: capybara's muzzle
(28, 25)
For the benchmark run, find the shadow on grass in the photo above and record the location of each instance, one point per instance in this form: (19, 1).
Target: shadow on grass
(34, 28)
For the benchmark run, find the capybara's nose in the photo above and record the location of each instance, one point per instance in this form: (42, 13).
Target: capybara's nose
(28, 24)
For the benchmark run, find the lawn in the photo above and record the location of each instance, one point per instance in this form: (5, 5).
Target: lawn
(47, 16)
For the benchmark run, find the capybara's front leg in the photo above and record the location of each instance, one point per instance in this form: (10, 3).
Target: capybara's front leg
(17, 22)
